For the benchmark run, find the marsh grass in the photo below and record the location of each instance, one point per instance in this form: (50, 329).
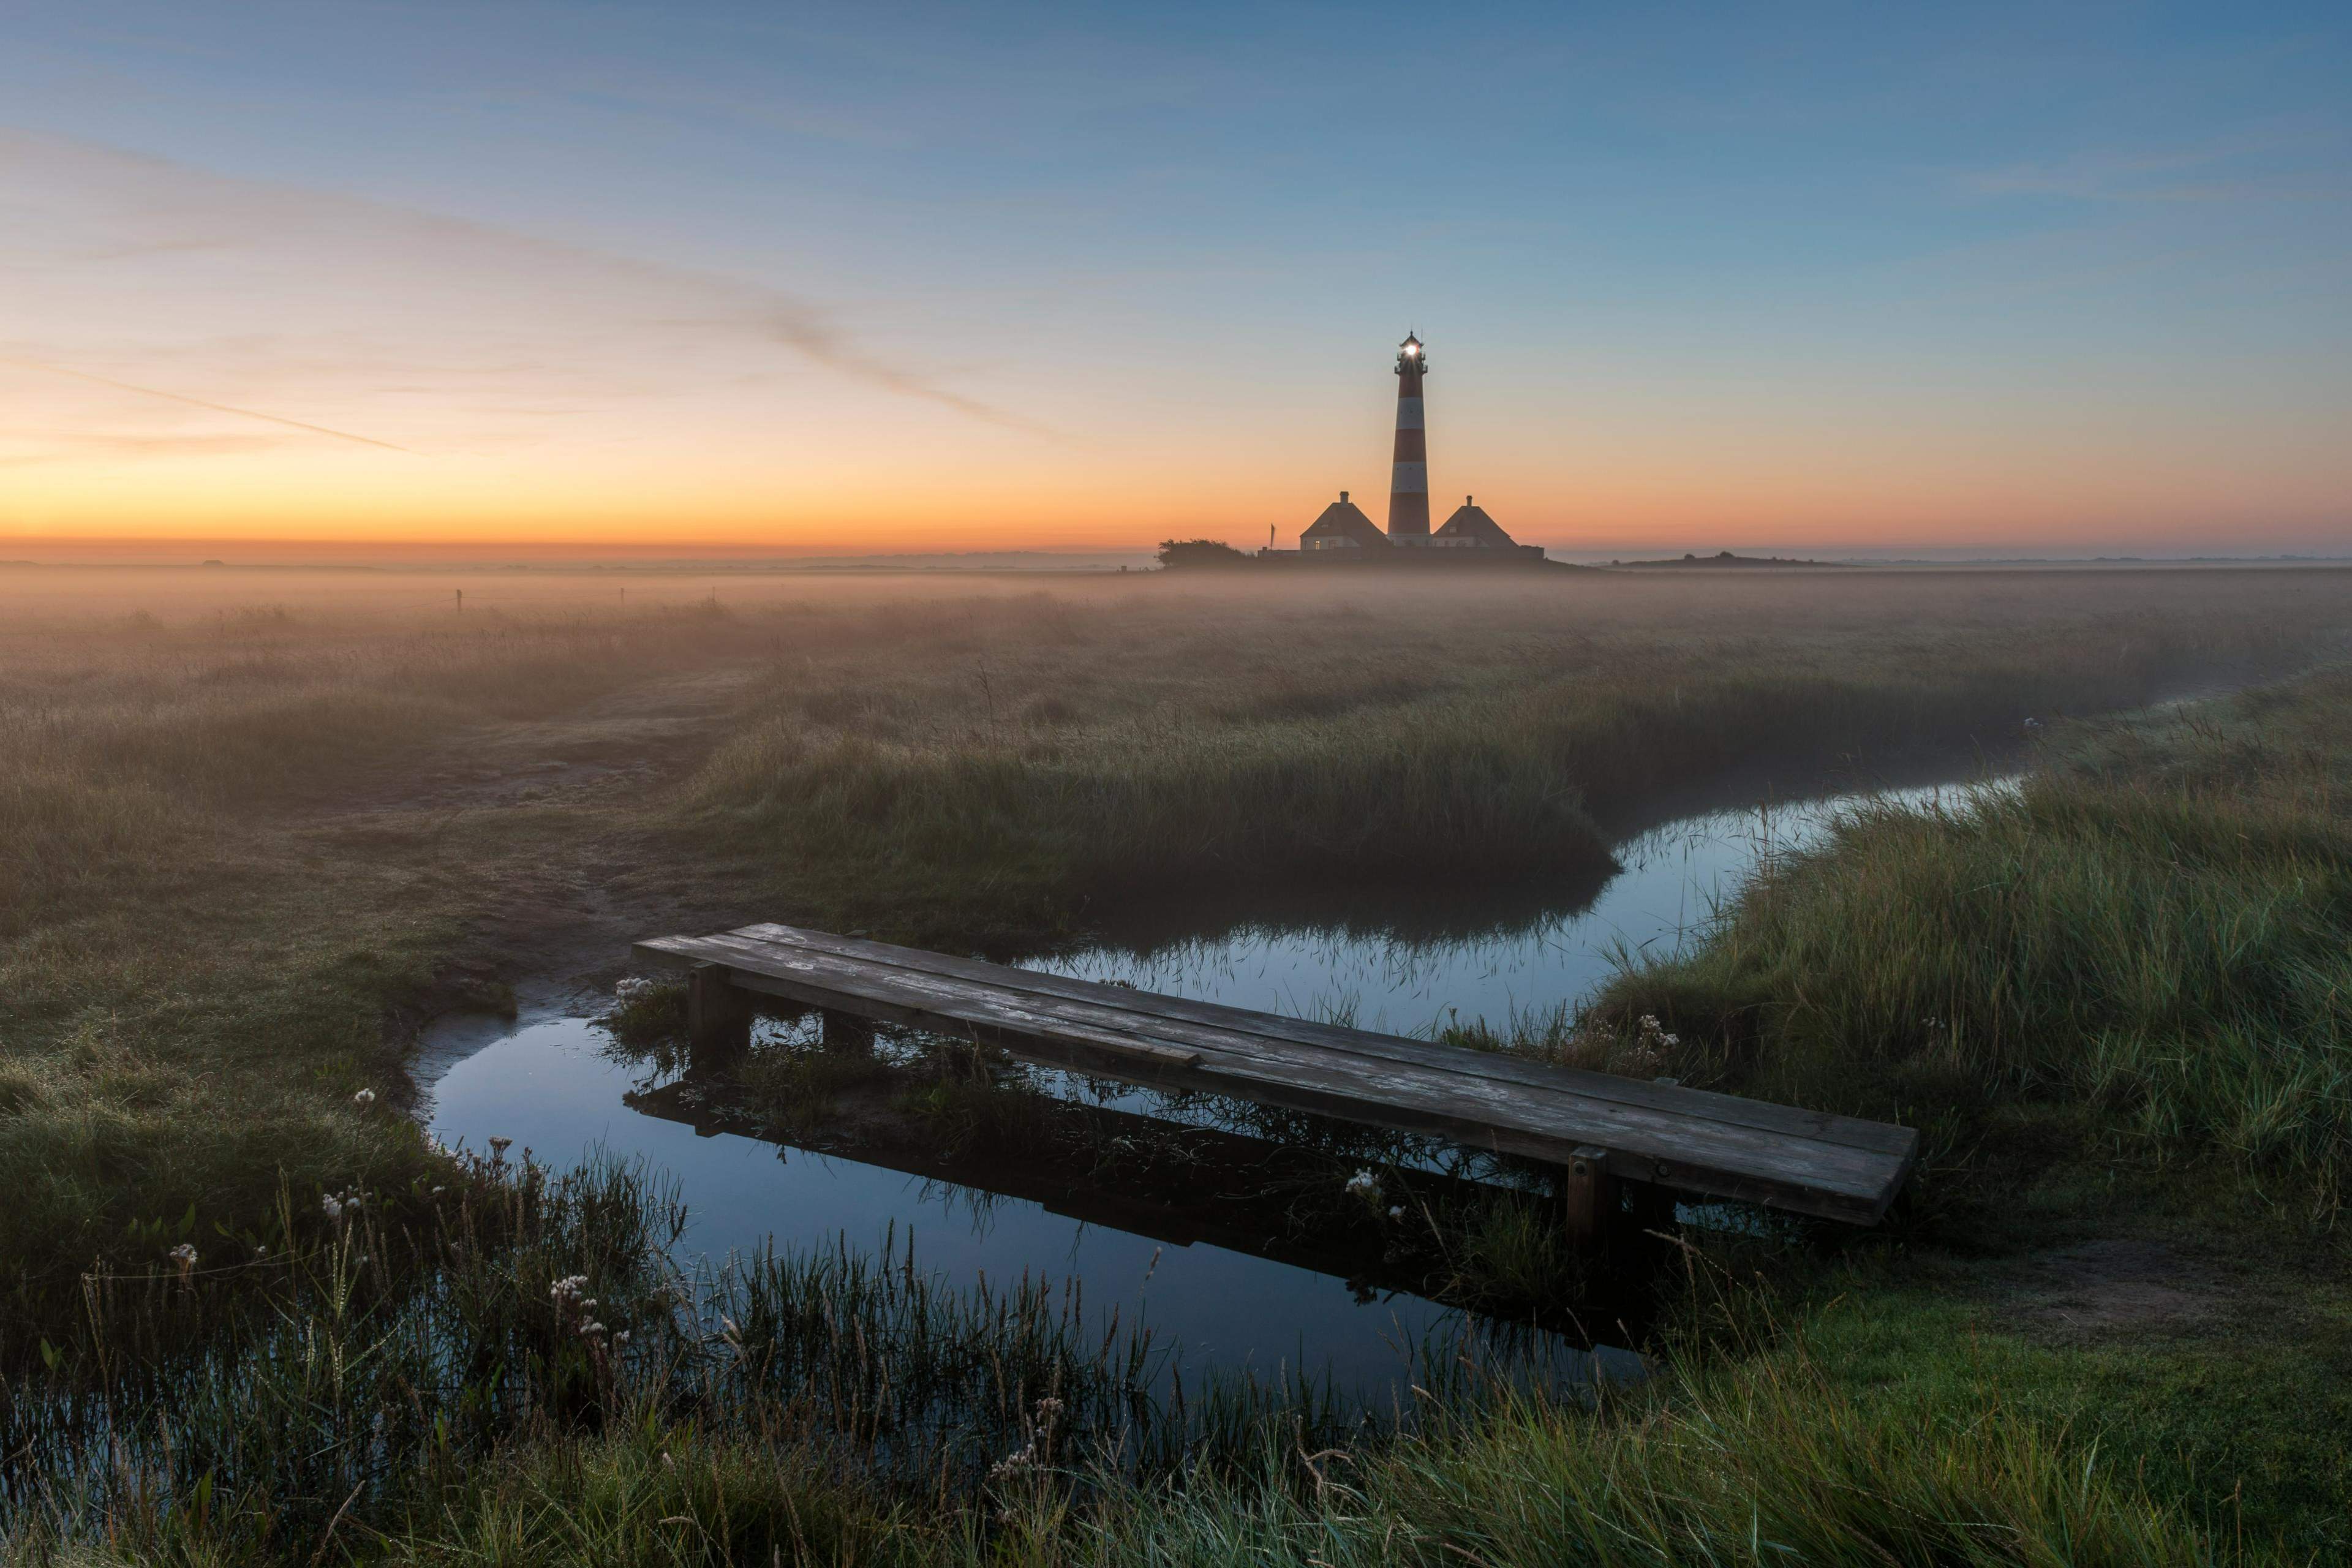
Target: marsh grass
(652, 1019)
(359, 1339)
(393, 1363)
(1007, 767)
(223, 903)
(549, 1397)
(1751, 1463)
(2145, 951)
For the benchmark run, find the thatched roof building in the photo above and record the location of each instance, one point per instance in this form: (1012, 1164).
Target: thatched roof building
(1471, 529)
(1343, 526)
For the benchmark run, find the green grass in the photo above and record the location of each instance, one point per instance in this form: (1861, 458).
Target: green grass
(2115, 1001)
(223, 913)
(2238, 1417)
(305, 1399)
(1006, 785)
(2143, 961)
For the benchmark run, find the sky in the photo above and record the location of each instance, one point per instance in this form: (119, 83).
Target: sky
(2025, 279)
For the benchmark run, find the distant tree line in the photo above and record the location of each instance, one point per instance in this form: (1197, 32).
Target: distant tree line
(1175, 553)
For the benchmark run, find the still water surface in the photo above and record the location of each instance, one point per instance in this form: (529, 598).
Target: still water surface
(549, 1084)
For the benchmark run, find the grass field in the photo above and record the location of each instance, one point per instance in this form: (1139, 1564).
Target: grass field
(2116, 1001)
(254, 827)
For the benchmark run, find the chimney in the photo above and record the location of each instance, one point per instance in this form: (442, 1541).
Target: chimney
(1408, 474)
(1343, 495)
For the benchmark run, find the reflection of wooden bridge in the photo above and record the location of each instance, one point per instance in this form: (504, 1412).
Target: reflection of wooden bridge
(1603, 1131)
(1186, 1186)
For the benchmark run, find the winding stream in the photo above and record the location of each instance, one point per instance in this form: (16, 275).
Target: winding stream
(552, 1084)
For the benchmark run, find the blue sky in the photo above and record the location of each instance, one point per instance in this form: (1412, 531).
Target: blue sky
(2069, 278)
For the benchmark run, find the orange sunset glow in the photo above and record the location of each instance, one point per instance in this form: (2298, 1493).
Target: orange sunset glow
(924, 343)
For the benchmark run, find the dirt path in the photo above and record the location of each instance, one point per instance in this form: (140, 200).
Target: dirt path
(552, 826)
(616, 747)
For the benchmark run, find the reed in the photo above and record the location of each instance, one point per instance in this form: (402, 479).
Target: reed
(2150, 941)
(553, 1392)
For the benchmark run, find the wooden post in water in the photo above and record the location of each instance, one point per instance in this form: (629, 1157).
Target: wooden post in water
(1589, 1197)
(717, 1017)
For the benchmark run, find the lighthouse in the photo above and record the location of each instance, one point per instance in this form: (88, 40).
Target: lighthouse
(1409, 477)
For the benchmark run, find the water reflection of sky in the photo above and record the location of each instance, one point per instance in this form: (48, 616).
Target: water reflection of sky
(1674, 879)
(548, 1085)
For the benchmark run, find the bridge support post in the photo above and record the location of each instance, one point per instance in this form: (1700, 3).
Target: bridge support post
(1589, 1199)
(717, 1017)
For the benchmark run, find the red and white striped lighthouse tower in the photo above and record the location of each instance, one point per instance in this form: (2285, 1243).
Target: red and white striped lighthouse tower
(1409, 479)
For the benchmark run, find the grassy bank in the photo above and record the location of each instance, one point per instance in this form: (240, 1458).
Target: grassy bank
(543, 1394)
(2144, 953)
(1010, 774)
(2114, 999)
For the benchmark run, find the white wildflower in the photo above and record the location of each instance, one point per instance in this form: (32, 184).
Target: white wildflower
(1396, 1211)
(333, 1207)
(635, 988)
(1014, 1465)
(363, 1098)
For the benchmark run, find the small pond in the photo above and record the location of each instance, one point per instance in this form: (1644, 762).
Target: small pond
(557, 1085)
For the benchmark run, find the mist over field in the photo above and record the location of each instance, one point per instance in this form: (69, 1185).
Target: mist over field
(1114, 787)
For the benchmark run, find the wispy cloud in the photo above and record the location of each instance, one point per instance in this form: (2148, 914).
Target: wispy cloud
(250, 296)
(202, 402)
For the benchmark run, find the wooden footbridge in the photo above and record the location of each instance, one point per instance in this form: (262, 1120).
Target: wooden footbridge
(1613, 1137)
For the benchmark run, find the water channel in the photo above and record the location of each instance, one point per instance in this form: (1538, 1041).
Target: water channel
(555, 1085)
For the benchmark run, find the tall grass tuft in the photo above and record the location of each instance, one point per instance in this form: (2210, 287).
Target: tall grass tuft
(1752, 1464)
(2154, 939)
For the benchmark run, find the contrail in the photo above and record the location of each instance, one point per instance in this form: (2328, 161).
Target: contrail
(820, 343)
(201, 402)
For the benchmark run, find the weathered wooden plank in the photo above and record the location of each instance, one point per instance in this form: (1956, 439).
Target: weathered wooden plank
(1555, 1108)
(1696, 1154)
(1539, 1112)
(1879, 1136)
